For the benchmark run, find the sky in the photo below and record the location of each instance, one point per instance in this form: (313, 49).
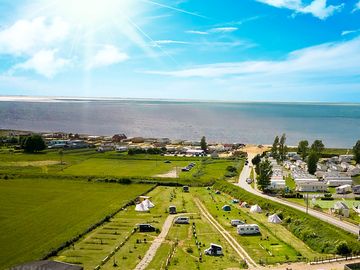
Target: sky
(233, 50)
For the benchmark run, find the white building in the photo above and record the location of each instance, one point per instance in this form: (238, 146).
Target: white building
(314, 186)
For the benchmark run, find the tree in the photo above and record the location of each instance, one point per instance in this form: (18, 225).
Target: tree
(274, 148)
(264, 175)
(303, 148)
(343, 248)
(203, 144)
(282, 148)
(317, 147)
(34, 143)
(312, 161)
(256, 160)
(356, 150)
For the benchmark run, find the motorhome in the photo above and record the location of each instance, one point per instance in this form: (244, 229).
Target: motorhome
(214, 250)
(236, 222)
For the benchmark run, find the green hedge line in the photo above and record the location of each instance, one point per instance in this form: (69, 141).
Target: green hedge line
(317, 234)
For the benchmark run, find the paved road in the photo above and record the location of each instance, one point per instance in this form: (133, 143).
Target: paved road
(228, 237)
(245, 173)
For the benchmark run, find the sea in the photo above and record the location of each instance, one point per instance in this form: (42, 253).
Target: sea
(337, 125)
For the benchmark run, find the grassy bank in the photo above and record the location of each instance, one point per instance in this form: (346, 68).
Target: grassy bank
(318, 235)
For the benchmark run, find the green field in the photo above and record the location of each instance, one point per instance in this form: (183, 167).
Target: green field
(39, 215)
(89, 163)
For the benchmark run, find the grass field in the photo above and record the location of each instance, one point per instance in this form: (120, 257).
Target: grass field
(39, 215)
(96, 245)
(89, 163)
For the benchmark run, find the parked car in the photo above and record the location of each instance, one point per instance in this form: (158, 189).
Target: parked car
(146, 228)
(235, 222)
(214, 250)
(182, 220)
(249, 181)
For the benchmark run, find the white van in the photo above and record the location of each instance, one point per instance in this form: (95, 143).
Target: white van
(248, 229)
(182, 220)
(235, 222)
(214, 250)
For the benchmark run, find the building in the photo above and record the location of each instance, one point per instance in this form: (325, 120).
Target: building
(343, 189)
(356, 189)
(119, 137)
(342, 209)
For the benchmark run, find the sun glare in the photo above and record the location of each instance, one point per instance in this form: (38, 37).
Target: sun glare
(92, 12)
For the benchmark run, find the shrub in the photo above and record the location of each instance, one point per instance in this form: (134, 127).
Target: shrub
(343, 248)
(189, 250)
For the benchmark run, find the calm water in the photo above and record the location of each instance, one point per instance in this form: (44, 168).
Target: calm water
(337, 125)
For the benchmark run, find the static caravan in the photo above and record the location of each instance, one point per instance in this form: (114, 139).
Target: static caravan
(356, 189)
(248, 229)
(343, 189)
(336, 183)
(182, 220)
(236, 222)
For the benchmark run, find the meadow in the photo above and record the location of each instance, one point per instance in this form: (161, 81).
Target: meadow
(37, 216)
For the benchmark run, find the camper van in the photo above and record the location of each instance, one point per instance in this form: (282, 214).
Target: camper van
(172, 209)
(185, 188)
(246, 229)
(146, 228)
(236, 222)
(214, 250)
(182, 220)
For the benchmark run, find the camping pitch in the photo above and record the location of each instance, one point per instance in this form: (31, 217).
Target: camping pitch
(148, 203)
(274, 219)
(255, 209)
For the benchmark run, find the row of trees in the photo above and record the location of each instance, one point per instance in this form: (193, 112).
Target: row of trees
(312, 153)
(279, 148)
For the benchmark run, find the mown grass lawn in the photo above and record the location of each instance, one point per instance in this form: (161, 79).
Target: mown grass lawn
(39, 215)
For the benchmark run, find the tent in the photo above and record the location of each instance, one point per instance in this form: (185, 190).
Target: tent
(226, 208)
(148, 203)
(255, 209)
(244, 204)
(140, 207)
(274, 218)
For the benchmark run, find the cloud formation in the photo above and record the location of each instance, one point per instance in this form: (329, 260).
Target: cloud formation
(44, 63)
(356, 7)
(106, 56)
(26, 37)
(318, 8)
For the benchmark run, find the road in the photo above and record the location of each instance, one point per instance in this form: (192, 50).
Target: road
(150, 254)
(245, 173)
(228, 237)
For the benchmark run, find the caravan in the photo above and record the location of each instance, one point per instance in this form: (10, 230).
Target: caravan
(248, 229)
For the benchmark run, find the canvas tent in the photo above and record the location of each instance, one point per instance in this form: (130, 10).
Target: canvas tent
(226, 208)
(274, 218)
(148, 203)
(244, 204)
(255, 209)
(141, 207)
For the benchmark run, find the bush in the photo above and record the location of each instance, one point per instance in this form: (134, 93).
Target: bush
(343, 248)
(189, 250)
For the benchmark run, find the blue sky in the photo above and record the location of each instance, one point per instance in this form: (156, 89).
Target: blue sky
(240, 50)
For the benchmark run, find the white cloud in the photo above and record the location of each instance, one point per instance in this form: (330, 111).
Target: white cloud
(356, 7)
(106, 56)
(30, 36)
(223, 29)
(328, 60)
(169, 41)
(197, 32)
(349, 32)
(318, 8)
(44, 63)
